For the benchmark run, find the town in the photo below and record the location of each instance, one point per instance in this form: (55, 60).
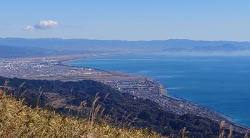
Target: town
(56, 68)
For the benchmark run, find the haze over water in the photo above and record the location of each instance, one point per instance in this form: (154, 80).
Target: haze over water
(219, 83)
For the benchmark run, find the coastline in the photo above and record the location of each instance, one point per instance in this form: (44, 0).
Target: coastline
(162, 89)
(163, 92)
(54, 68)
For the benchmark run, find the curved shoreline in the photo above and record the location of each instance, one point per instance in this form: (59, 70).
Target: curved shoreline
(56, 68)
(163, 92)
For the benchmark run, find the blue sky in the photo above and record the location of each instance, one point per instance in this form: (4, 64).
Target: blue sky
(127, 19)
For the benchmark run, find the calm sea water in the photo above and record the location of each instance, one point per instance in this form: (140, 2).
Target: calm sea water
(220, 83)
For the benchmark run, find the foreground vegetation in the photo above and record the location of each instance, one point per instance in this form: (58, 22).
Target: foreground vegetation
(122, 109)
(124, 116)
(18, 120)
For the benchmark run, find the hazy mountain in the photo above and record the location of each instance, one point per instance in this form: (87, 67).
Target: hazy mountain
(28, 51)
(56, 46)
(14, 52)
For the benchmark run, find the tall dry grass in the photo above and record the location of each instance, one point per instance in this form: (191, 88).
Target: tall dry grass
(19, 120)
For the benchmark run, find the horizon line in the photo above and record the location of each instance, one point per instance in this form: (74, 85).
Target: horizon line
(123, 40)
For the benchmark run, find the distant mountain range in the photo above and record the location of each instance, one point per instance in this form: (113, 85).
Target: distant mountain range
(55, 46)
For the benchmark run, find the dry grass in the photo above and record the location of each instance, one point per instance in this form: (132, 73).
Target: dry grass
(19, 120)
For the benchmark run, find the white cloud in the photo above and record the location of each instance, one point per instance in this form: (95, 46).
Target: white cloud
(28, 28)
(46, 24)
(42, 25)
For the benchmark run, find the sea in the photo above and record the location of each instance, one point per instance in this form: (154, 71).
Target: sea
(221, 83)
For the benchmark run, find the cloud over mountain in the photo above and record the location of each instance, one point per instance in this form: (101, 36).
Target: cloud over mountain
(42, 25)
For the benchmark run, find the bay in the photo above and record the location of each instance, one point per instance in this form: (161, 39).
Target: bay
(220, 83)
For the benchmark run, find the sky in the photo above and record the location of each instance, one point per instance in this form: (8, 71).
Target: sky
(126, 19)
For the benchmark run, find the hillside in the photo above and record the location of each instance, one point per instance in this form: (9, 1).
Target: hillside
(18, 120)
(121, 109)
